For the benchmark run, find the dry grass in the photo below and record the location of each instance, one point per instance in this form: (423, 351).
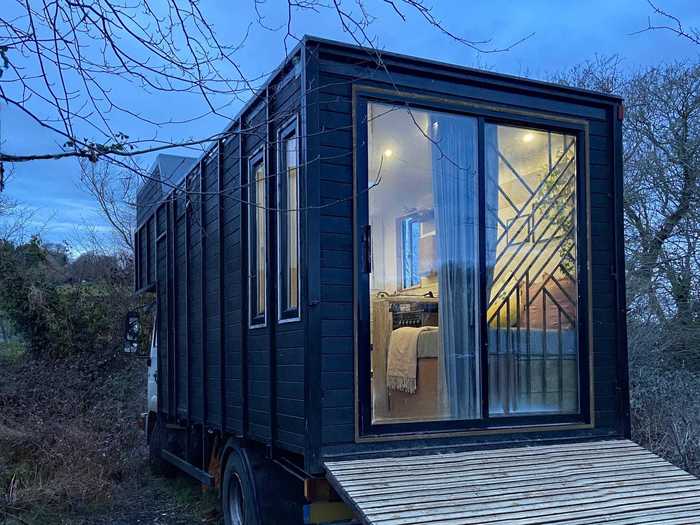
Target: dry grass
(71, 451)
(666, 415)
(67, 430)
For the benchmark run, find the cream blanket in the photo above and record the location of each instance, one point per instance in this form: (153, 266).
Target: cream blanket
(402, 361)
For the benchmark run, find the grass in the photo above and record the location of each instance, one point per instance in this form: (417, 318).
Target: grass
(70, 452)
(188, 493)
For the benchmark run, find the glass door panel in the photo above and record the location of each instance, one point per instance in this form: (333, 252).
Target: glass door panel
(531, 276)
(424, 280)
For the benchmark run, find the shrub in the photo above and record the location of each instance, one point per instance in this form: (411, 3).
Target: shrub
(57, 311)
(665, 407)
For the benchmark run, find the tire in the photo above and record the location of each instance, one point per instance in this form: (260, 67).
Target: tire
(157, 442)
(238, 499)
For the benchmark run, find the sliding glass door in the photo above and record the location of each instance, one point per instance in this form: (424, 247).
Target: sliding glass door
(531, 271)
(469, 278)
(422, 184)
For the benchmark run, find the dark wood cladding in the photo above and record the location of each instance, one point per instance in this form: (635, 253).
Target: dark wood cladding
(214, 369)
(339, 71)
(292, 385)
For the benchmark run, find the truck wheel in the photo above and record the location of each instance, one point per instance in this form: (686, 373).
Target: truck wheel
(238, 493)
(157, 442)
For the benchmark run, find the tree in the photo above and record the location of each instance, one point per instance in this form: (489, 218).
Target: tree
(64, 64)
(114, 190)
(58, 57)
(60, 306)
(662, 183)
(15, 219)
(661, 135)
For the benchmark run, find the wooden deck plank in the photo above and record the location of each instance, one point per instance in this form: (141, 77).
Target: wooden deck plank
(496, 468)
(679, 514)
(584, 483)
(363, 464)
(540, 490)
(412, 480)
(494, 510)
(540, 517)
(566, 478)
(465, 463)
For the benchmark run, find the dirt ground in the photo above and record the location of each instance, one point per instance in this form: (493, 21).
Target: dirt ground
(71, 452)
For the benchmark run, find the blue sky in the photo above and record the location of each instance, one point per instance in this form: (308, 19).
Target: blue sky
(565, 33)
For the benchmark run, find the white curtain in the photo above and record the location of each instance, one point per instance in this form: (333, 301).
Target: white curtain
(454, 167)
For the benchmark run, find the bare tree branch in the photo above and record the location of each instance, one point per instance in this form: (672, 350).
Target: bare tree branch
(58, 57)
(673, 24)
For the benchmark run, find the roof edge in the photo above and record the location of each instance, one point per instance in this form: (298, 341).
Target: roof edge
(455, 68)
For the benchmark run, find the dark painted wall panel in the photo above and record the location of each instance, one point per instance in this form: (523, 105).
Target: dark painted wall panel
(230, 250)
(289, 338)
(164, 364)
(337, 362)
(220, 359)
(194, 304)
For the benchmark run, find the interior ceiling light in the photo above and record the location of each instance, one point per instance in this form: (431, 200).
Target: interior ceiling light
(528, 137)
(388, 153)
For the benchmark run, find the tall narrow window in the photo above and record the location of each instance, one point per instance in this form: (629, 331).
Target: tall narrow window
(257, 240)
(288, 224)
(531, 271)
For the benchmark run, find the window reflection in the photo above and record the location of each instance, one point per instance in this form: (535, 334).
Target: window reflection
(424, 281)
(288, 202)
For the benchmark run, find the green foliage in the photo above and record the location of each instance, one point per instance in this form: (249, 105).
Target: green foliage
(11, 351)
(54, 308)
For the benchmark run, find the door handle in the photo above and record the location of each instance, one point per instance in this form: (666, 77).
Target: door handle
(367, 248)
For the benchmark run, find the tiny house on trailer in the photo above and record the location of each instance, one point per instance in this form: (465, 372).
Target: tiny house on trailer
(394, 290)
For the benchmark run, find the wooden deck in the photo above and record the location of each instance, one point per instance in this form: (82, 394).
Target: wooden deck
(616, 482)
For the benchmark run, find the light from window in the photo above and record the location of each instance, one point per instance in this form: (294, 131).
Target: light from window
(531, 275)
(257, 242)
(288, 202)
(424, 279)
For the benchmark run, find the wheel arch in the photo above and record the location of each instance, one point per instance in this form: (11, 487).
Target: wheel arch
(235, 445)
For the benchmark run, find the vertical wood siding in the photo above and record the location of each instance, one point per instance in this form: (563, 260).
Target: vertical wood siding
(231, 249)
(203, 260)
(289, 338)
